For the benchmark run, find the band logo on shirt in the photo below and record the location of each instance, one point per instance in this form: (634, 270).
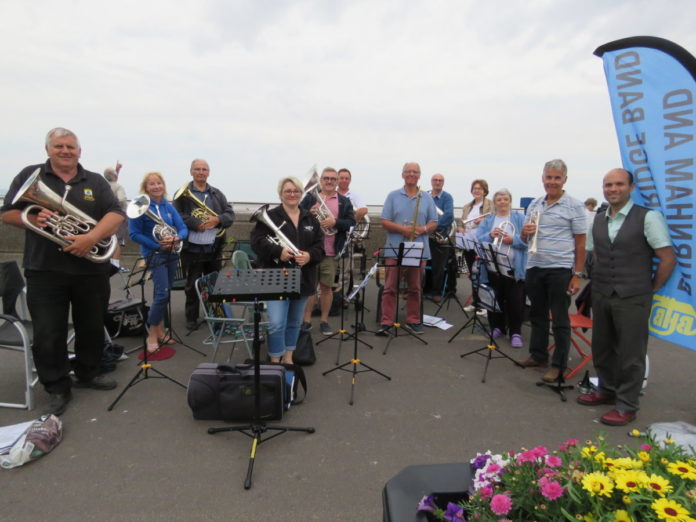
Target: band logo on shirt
(88, 195)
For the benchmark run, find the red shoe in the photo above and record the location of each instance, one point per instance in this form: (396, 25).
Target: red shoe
(595, 399)
(618, 418)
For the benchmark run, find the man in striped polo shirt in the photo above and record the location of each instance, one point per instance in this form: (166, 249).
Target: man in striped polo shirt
(554, 270)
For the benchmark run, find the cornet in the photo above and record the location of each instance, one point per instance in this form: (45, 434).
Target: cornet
(506, 228)
(68, 220)
(161, 230)
(280, 239)
(534, 219)
(311, 186)
(203, 213)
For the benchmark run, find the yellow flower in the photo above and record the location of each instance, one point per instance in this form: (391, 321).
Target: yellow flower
(644, 456)
(668, 440)
(664, 461)
(626, 499)
(622, 516)
(659, 485)
(600, 457)
(682, 469)
(629, 481)
(669, 510)
(598, 484)
(588, 451)
(587, 518)
(626, 463)
(635, 432)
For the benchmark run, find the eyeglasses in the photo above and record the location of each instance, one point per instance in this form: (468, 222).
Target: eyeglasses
(411, 172)
(329, 179)
(292, 192)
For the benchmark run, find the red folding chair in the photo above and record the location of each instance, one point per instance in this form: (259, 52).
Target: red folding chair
(578, 323)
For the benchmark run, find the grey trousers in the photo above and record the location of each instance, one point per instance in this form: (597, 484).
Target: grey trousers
(619, 345)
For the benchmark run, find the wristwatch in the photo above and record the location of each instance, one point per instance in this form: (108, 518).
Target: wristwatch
(578, 274)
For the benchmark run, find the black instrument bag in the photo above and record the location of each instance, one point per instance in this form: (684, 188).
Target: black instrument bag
(226, 392)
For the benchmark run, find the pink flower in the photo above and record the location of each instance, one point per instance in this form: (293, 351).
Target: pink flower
(551, 490)
(540, 451)
(553, 461)
(501, 504)
(493, 468)
(526, 456)
(486, 491)
(645, 447)
(568, 444)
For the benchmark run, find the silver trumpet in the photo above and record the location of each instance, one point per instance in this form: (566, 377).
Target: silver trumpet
(280, 239)
(534, 219)
(506, 228)
(312, 186)
(68, 220)
(161, 231)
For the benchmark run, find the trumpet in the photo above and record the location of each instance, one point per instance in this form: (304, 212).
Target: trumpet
(203, 212)
(161, 231)
(280, 239)
(534, 219)
(69, 220)
(506, 227)
(311, 186)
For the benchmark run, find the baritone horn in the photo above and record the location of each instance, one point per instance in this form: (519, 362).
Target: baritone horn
(278, 238)
(505, 228)
(68, 220)
(202, 212)
(534, 219)
(312, 186)
(161, 231)
(439, 238)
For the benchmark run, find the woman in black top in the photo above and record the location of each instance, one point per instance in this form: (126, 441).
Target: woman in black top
(304, 232)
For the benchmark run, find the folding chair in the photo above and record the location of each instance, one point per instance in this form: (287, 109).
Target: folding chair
(578, 323)
(223, 327)
(15, 329)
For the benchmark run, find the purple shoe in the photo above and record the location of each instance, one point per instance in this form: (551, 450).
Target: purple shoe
(496, 333)
(516, 341)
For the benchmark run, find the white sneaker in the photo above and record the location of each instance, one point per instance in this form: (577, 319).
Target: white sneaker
(481, 312)
(469, 308)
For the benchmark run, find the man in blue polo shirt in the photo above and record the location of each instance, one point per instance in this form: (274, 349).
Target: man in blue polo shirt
(624, 239)
(554, 270)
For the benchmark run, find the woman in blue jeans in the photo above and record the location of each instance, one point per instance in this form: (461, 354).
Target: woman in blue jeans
(161, 253)
(304, 232)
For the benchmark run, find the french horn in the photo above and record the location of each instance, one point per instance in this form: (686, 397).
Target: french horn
(68, 220)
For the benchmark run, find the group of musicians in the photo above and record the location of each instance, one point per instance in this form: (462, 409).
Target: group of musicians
(541, 256)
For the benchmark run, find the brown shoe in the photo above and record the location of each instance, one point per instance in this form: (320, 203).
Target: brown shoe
(618, 418)
(531, 362)
(551, 375)
(595, 399)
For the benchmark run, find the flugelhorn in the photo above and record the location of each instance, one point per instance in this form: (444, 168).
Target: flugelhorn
(278, 238)
(534, 219)
(68, 220)
(161, 231)
(203, 212)
(506, 227)
(312, 186)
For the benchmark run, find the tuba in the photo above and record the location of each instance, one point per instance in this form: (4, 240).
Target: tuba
(202, 212)
(69, 220)
(280, 239)
(311, 186)
(161, 231)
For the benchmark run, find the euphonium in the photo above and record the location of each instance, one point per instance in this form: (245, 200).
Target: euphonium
(361, 230)
(506, 227)
(440, 238)
(161, 230)
(534, 219)
(280, 239)
(69, 220)
(311, 186)
(203, 212)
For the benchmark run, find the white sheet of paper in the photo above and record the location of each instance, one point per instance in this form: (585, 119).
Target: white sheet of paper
(413, 253)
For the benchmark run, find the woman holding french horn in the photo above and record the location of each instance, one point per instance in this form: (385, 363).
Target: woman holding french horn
(155, 224)
(288, 236)
(502, 229)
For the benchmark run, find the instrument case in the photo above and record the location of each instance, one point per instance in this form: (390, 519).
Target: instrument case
(226, 392)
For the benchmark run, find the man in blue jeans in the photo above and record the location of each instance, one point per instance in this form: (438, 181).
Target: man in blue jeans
(554, 270)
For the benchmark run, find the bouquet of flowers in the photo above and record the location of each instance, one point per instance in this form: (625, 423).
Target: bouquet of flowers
(590, 482)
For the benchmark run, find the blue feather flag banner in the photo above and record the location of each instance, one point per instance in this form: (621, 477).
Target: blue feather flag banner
(651, 86)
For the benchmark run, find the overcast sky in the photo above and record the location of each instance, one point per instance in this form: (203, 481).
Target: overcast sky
(264, 89)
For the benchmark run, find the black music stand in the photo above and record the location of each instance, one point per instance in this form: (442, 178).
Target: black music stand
(357, 296)
(144, 367)
(450, 290)
(342, 333)
(413, 258)
(264, 284)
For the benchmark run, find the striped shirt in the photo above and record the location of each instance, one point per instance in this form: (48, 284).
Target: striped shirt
(558, 224)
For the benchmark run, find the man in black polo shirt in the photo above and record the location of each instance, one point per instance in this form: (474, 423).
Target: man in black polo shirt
(58, 278)
(203, 246)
